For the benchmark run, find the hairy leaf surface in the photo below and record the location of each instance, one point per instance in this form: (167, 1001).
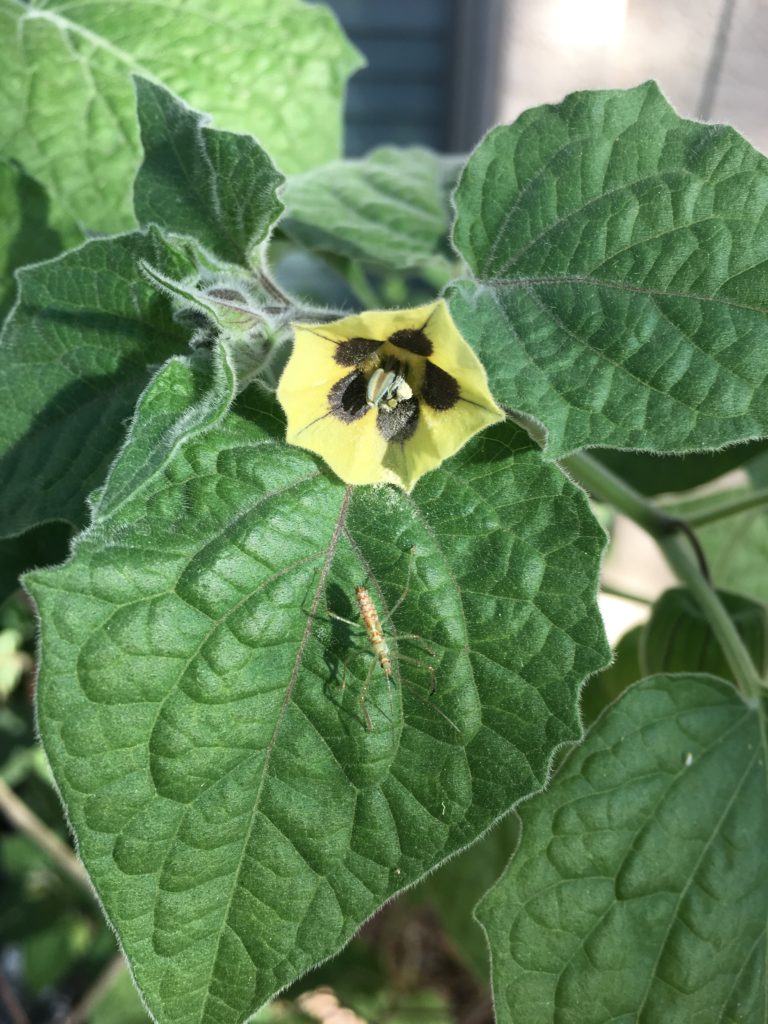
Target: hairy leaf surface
(273, 68)
(620, 261)
(205, 713)
(218, 187)
(75, 353)
(389, 208)
(638, 892)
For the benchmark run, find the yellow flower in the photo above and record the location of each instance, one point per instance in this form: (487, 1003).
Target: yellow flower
(385, 396)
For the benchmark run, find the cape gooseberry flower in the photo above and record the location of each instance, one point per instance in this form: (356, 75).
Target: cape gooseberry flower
(385, 396)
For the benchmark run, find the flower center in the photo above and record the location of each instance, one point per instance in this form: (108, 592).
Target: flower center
(388, 385)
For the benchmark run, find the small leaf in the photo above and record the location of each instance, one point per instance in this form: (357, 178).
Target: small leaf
(620, 256)
(389, 208)
(205, 713)
(639, 892)
(25, 236)
(678, 636)
(275, 69)
(76, 352)
(217, 187)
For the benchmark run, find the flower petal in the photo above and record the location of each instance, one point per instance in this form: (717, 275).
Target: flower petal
(324, 392)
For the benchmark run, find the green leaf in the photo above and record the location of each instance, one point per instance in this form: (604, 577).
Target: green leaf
(203, 711)
(662, 474)
(678, 636)
(639, 890)
(389, 208)
(620, 256)
(217, 187)
(77, 350)
(275, 69)
(25, 236)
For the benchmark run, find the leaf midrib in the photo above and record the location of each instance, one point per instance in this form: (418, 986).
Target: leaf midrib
(298, 661)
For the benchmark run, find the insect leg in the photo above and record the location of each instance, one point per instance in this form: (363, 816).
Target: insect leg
(404, 594)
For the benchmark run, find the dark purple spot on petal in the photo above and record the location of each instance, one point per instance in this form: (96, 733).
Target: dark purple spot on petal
(347, 397)
(355, 350)
(398, 424)
(440, 389)
(412, 340)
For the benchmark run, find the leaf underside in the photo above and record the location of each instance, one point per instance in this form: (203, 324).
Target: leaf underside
(218, 187)
(638, 892)
(620, 262)
(205, 713)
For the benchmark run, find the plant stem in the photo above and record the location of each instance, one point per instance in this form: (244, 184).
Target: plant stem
(606, 486)
(10, 1001)
(624, 594)
(82, 1011)
(361, 286)
(27, 822)
(727, 507)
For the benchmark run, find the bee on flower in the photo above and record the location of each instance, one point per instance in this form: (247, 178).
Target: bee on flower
(385, 396)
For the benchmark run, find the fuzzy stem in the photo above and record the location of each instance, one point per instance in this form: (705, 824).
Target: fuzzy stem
(727, 507)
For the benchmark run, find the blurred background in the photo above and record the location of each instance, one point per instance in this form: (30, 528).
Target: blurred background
(441, 72)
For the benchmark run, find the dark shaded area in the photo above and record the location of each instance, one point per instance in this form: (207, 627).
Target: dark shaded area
(34, 241)
(657, 474)
(440, 389)
(404, 95)
(347, 397)
(354, 351)
(399, 424)
(412, 340)
(45, 545)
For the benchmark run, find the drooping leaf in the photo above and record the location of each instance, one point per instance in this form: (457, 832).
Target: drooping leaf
(275, 69)
(639, 892)
(74, 355)
(620, 262)
(678, 636)
(389, 208)
(25, 236)
(218, 187)
(205, 713)
(660, 474)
